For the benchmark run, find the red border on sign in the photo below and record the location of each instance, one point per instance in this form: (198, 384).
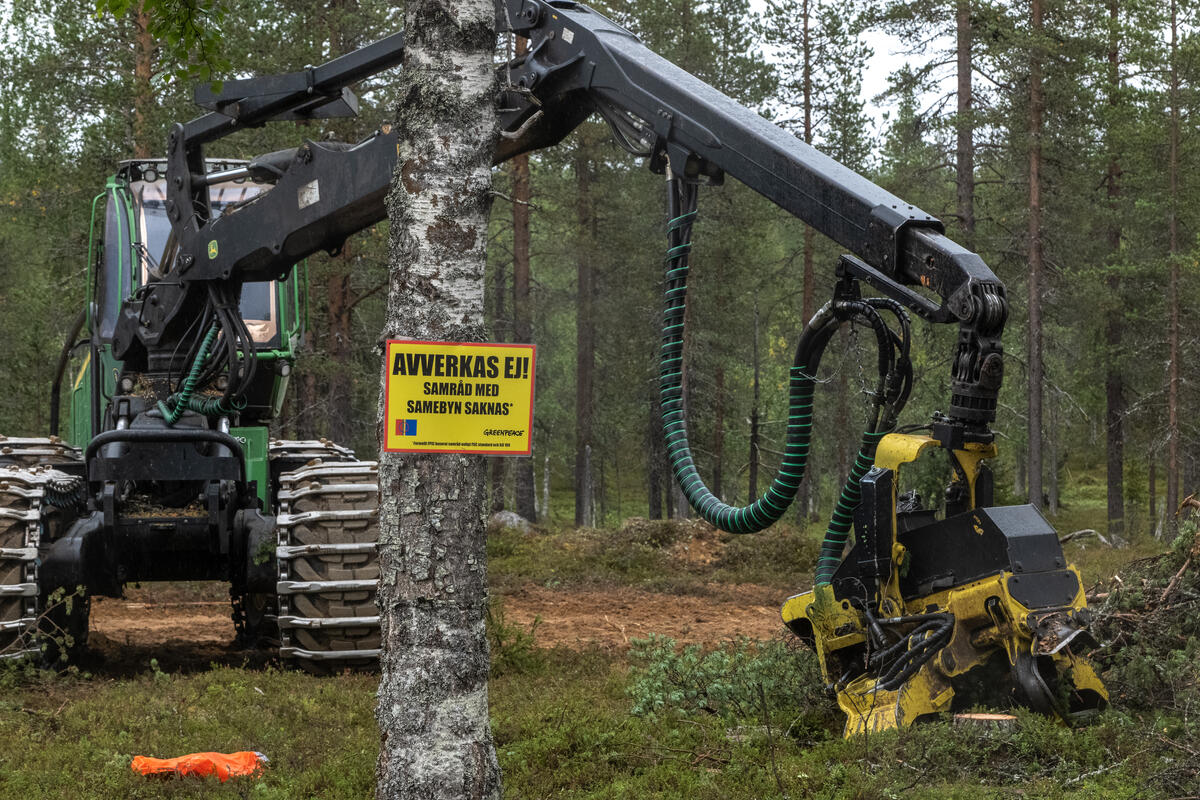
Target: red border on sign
(532, 386)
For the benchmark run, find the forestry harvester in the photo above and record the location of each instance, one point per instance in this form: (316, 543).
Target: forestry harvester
(168, 470)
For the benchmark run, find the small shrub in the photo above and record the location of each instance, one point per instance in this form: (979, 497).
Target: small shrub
(655, 533)
(502, 543)
(513, 649)
(732, 682)
(780, 553)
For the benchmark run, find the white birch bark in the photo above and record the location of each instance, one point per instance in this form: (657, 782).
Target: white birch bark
(432, 710)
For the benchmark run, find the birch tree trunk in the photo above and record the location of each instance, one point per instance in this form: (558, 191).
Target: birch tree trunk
(433, 704)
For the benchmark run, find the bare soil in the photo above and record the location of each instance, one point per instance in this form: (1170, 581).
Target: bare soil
(187, 627)
(183, 627)
(609, 618)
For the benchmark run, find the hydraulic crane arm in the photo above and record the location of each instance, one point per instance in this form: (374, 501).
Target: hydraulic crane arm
(577, 57)
(323, 192)
(578, 62)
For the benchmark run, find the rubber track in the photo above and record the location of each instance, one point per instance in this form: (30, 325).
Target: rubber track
(328, 569)
(255, 615)
(22, 494)
(298, 452)
(26, 470)
(35, 452)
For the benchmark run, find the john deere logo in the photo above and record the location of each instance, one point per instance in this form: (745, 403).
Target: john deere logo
(212, 249)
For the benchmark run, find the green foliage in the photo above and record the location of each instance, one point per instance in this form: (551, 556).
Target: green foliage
(655, 533)
(738, 682)
(563, 728)
(575, 557)
(512, 647)
(782, 555)
(189, 29)
(663, 555)
(67, 736)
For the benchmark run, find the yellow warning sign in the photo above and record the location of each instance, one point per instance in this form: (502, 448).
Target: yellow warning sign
(459, 397)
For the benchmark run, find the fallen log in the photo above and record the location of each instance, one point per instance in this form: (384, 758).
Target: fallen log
(1084, 533)
(1002, 722)
(1175, 581)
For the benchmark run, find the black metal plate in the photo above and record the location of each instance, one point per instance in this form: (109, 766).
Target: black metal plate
(1044, 589)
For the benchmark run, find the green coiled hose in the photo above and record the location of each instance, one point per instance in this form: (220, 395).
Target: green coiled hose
(215, 406)
(838, 529)
(183, 398)
(769, 508)
(774, 502)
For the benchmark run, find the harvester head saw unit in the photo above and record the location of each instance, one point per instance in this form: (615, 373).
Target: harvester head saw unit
(926, 615)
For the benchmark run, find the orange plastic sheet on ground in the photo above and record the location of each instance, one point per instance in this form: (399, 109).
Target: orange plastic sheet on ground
(201, 765)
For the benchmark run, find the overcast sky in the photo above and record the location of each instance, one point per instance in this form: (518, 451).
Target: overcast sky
(886, 60)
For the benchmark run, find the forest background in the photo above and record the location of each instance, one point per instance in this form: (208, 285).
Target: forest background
(1057, 139)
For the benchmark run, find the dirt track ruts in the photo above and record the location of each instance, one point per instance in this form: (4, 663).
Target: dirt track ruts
(190, 632)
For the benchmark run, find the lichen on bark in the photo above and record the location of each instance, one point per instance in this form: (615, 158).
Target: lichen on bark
(432, 707)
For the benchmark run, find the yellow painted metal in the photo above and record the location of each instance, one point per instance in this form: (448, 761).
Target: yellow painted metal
(988, 621)
(978, 636)
(897, 449)
(869, 710)
(87, 359)
(1082, 673)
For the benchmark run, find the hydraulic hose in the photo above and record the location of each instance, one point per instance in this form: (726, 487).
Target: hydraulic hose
(181, 401)
(775, 501)
(771, 506)
(215, 406)
(838, 530)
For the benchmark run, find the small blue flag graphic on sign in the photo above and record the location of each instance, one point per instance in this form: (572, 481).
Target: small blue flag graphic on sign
(406, 427)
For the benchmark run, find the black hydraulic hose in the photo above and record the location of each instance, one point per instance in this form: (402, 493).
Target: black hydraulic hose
(60, 369)
(173, 409)
(227, 344)
(241, 345)
(771, 506)
(919, 646)
(921, 654)
(892, 394)
(201, 323)
(904, 375)
(840, 522)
